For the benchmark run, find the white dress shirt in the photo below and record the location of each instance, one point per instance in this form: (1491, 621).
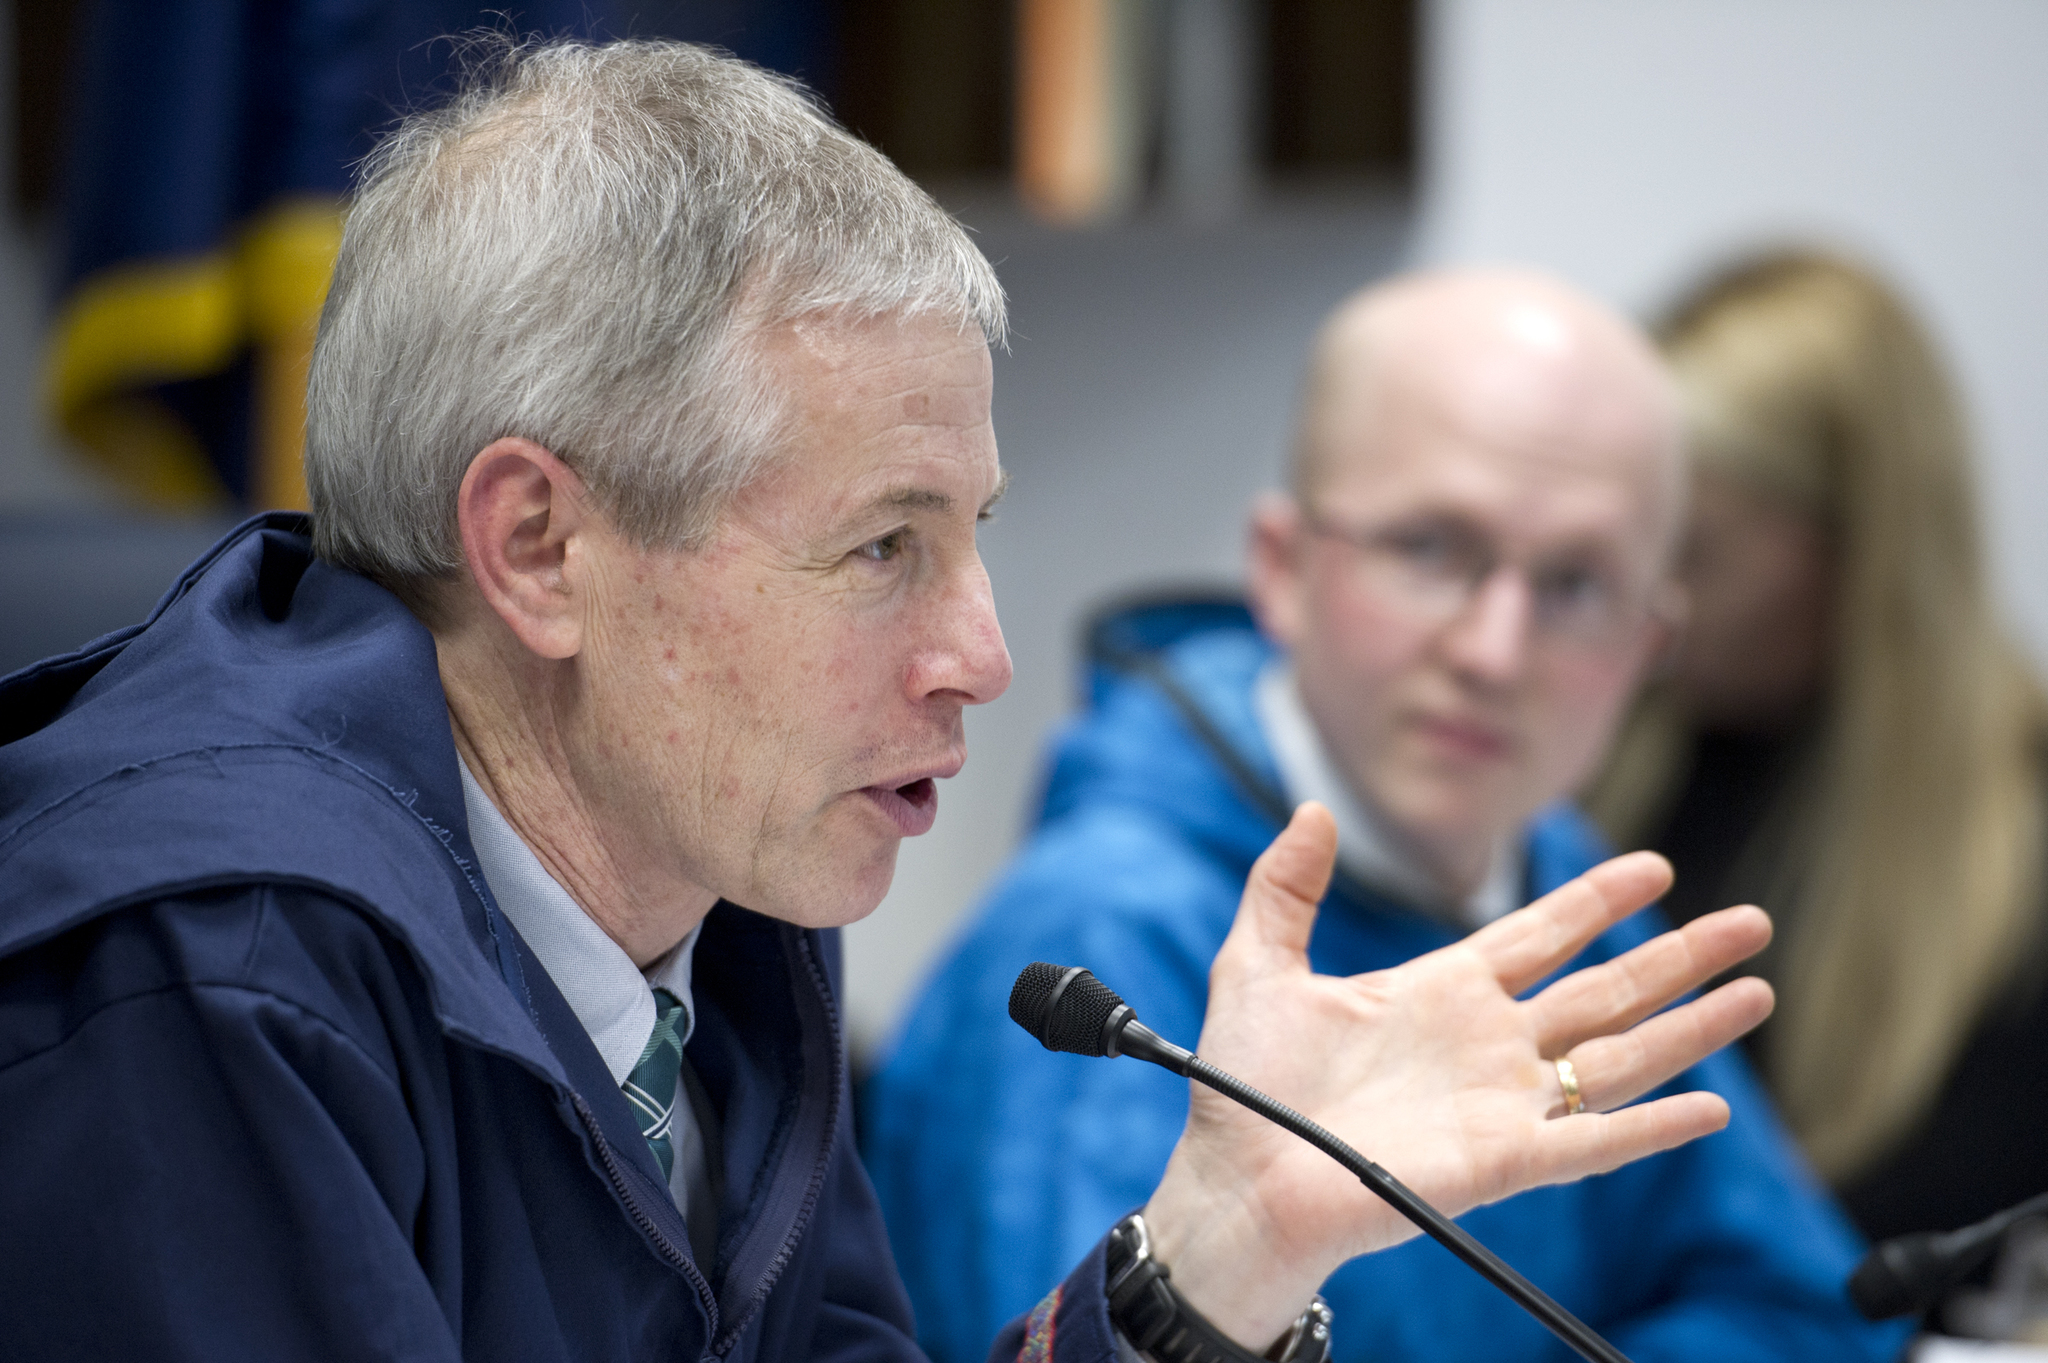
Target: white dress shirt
(610, 996)
(1364, 849)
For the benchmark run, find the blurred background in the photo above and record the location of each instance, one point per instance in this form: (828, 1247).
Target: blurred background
(1174, 192)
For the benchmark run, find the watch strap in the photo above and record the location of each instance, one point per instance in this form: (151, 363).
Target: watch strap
(1158, 1321)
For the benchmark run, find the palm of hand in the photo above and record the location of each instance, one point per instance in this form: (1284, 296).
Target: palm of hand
(1439, 1079)
(1436, 1069)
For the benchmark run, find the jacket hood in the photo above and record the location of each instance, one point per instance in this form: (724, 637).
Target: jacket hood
(268, 699)
(1155, 670)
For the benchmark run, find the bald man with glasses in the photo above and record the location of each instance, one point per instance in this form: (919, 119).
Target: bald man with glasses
(1447, 611)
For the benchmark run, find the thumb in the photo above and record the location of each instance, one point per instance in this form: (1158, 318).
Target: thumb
(1278, 911)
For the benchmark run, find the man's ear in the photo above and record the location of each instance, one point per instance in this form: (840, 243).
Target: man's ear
(525, 527)
(1273, 567)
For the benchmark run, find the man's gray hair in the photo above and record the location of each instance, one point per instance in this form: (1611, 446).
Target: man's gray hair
(579, 250)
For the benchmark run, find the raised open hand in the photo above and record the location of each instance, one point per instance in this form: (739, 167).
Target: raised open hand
(1438, 1070)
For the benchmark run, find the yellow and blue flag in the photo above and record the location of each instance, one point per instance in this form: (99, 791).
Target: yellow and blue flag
(211, 145)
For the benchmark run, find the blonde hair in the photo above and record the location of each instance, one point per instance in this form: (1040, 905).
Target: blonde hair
(1910, 856)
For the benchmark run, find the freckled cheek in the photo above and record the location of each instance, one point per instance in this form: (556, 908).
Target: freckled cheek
(711, 650)
(778, 713)
(859, 676)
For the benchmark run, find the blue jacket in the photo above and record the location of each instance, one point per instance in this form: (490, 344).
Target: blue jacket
(277, 1079)
(1724, 1249)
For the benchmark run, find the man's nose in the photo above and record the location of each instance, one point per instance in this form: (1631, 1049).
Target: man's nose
(1489, 639)
(967, 657)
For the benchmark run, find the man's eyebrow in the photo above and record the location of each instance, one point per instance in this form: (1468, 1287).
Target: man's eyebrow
(914, 499)
(928, 499)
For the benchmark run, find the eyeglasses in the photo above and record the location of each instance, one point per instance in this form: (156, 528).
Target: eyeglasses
(1433, 567)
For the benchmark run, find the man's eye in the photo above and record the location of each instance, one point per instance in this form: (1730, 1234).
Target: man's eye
(1572, 589)
(1423, 544)
(1428, 549)
(885, 548)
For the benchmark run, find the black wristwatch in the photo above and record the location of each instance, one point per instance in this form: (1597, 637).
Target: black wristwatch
(1157, 1321)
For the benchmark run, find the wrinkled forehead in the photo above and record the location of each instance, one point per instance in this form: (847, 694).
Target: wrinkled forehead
(829, 363)
(884, 411)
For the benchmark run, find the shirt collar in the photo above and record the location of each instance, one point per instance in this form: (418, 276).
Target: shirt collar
(610, 996)
(1307, 772)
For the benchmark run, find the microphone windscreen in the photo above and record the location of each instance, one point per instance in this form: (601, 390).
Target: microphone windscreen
(1064, 1007)
(1032, 993)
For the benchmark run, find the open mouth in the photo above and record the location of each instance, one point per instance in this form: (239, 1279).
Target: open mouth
(913, 805)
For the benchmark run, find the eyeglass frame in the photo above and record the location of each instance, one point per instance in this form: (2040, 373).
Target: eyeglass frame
(1485, 563)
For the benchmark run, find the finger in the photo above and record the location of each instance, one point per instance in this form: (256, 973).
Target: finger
(1278, 911)
(1528, 944)
(1622, 992)
(1613, 1070)
(1594, 1143)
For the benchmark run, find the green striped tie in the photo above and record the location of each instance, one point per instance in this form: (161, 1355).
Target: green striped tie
(651, 1087)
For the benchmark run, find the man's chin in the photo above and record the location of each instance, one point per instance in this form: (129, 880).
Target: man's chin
(831, 895)
(1452, 817)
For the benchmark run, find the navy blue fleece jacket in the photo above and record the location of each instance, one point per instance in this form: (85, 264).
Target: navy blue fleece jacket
(278, 1080)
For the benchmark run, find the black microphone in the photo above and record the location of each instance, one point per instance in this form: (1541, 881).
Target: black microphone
(1068, 1009)
(1910, 1273)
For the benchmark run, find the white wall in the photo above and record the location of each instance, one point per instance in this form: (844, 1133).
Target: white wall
(1626, 143)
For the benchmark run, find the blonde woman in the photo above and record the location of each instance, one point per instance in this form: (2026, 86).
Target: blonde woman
(1848, 737)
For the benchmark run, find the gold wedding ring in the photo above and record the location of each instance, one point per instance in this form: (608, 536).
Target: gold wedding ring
(1568, 1079)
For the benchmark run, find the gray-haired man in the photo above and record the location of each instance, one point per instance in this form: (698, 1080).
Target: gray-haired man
(374, 976)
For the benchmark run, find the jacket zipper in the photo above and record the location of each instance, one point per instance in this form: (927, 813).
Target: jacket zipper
(817, 1181)
(677, 1259)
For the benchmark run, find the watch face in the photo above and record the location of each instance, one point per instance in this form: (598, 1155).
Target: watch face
(1127, 1241)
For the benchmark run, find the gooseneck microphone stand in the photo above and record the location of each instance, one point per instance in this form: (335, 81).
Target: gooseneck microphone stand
(1068, 1009)
(1910, 1273)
